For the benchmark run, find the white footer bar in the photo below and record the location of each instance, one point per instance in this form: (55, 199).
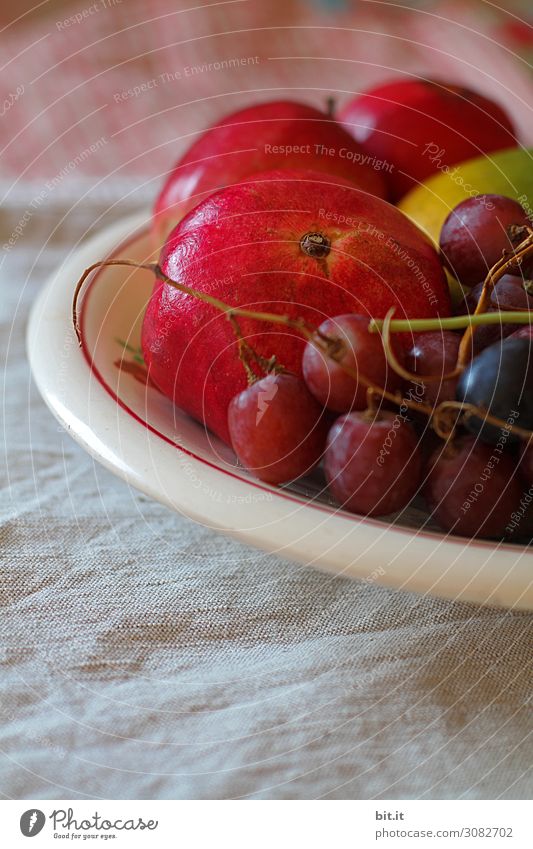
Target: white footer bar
(272, 824)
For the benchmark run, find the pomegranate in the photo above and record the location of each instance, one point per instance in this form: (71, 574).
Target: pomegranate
(285, 242)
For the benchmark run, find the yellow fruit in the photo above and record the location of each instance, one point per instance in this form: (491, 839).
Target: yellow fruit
(457, 292)
(509, 173)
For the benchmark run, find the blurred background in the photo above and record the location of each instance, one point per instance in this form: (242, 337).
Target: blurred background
(138, 80)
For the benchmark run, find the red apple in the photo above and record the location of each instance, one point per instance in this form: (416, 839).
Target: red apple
(421, 126)
(268, 136)
(285, 242)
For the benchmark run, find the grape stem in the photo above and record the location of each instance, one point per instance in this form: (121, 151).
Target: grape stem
(249, 356)
(296, 323)
(443, 417)
(330, 346)
(456, 322)
(470, 411)
(508, 263)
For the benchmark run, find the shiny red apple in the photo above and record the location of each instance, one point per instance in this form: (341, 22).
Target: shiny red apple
(263, 137)
(285, 242)
(422, 126)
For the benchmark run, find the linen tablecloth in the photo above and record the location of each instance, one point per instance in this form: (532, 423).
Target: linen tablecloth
(144, 656)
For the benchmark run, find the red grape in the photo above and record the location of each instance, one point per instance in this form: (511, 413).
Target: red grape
(372, 464)
(435, 353)
(327, 380)
(476, 233)
(472, 489)
(277, 428)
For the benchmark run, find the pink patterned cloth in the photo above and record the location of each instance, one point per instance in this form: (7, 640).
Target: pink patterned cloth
(121, 88)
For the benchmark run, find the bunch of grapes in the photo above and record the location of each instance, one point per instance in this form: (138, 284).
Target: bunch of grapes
(368, 408)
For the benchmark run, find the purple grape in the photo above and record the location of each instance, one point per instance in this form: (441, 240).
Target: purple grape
(508, 294)
(435, 353)
(476, 233)
(511, 292)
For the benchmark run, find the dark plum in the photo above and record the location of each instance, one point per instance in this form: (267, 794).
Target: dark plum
(500, 381)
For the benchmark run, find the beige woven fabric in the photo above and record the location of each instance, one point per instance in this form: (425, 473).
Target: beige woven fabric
(144, 656)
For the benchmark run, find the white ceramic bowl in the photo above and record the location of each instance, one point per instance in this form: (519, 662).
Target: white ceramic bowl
(138, 434)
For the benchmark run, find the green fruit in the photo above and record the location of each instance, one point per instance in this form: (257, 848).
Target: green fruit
(509, 173)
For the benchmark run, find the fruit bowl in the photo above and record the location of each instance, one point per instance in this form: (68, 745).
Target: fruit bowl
(101, 394)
